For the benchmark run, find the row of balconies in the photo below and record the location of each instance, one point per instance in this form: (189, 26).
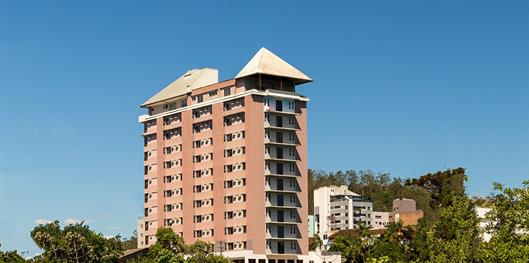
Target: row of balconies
(279, 105)
(278, 137)
(284, 153)
(282, 247)
(282, 231)
(273, 167)
(283, 216)
(281, 184)
(280, 121)
(288, 200)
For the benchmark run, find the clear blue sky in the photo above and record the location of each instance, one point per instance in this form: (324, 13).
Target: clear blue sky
(405, 87)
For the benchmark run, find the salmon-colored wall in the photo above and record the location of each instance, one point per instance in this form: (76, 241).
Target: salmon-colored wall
(218, 170)
(301, 108)
(255, 170)
(254, 173)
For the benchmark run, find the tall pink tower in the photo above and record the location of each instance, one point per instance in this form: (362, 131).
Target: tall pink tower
(226, 162)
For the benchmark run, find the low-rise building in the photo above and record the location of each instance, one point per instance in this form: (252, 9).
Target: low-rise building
(404, 210)
(336, 208)
(380, 220)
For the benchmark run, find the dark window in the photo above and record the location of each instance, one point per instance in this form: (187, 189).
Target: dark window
(279, 167)
(280, 216)
(279, 137)
(279, 184)
(279, 121)
(279, 152)
(279, 105)
(279, 200)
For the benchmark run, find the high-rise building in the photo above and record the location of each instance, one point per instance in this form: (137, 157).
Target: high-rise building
(226, 162)
(336, 208)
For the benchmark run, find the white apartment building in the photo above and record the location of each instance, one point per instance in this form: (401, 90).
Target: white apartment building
(336, 208)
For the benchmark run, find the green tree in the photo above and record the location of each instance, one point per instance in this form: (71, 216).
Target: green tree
(355, 247)
(418, 248)
(10, 257)
(74, 243)
(349, 246)
(202, 251)
(508, 226)
(316, 243)
(390, 244)
(131, 242)
(170, 248)
(442, 185)
(454, 237)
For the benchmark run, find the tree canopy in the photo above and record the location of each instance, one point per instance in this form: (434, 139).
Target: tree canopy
(452, 234)
(74, 243)
(170, 248)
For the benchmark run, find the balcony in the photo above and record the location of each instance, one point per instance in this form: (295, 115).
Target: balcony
(282, 185)
(282, 216)
(277, 121)
(280, 168)
(280, 247)
(280, 200)
(282, 232)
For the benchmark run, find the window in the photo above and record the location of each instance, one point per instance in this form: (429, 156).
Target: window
(291, 120)
(199, 98)
(213, 93)
(227, 91)
(292, 198)
(293, 246)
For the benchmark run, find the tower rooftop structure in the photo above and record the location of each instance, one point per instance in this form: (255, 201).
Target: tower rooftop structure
(192, 79)
(267, 63)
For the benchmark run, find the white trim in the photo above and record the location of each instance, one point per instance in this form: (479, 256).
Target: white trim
(146, 117)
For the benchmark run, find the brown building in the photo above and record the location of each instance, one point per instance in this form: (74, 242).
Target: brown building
(226, 162)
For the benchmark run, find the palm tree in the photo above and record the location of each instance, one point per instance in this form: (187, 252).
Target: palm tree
(317, 243)
(366, 240)
(349, 246)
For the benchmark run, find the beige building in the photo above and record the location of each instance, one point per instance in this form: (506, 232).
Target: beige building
(380, 220)
(226, 162)
(404, 210)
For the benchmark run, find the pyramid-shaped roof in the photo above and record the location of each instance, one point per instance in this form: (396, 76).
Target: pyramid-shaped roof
(267, 63)
(191, 80)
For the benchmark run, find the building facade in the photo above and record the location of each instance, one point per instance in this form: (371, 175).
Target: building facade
(404, 211)
(380, 220)
(226, 162)
(311, 226)
(336, 208)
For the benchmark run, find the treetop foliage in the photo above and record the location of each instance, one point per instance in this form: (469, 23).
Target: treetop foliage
(454, 235)
(428, 190)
